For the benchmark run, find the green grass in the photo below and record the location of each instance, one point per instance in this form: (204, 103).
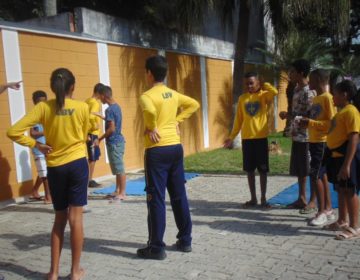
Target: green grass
(223, 161)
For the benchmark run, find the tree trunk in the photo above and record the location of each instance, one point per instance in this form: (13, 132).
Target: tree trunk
(50, 7)
(241, 47)
(239, 57)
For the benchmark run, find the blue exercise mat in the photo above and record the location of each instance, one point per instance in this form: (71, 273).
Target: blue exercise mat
(291, 193)
(135, 187)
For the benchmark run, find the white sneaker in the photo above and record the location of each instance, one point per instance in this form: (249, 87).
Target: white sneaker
(330, 215)
(319, 220)
(86, 209)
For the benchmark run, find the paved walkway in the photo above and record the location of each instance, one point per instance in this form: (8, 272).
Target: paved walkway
(228, 242)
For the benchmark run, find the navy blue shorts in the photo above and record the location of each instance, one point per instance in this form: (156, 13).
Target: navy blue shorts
(93, 151)
(317, 151)
(255, 155)
(68, 184)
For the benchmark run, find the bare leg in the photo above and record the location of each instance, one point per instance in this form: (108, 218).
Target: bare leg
(77, 240)
(35, 189)
(263, 183)
(320, 193)
(91, 169)
(327, 196)
(47, 190)
(312, 201)
(352, 201)
(302, 190)
(343, 210)
(251, 182)
(121, 185)
(57, 240)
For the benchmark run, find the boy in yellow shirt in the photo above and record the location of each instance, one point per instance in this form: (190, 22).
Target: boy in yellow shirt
(322, 111)
(93, 136)
(164, 167)
(251, 119)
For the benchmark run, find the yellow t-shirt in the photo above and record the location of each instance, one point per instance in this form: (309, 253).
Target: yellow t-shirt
(346, 121)
(94, 107)
(160, 110)
(322, 111)
(251, 115)
(65, 132)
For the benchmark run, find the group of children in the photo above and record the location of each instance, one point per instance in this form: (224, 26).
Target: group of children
(325, 144)
(60, 129)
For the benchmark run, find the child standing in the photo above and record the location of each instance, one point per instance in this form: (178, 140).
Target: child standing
(66, 124)
(164, 168)
(322, 111)
(115, 142)
(344, 165)
(37, 132)
(300, 156)
(251, 119)
(93, 136)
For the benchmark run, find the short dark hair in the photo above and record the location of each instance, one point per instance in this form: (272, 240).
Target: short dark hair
(37, 95)
(158, 67)
(251, 74)
(301, 66)
(98, 87)
(352, 93)
(106, 91)
(322, 74)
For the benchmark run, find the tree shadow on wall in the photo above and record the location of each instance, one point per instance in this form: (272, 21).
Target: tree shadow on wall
(132, 68)
(189, 83)
(224, 115)
(25, 186)
(5, 169)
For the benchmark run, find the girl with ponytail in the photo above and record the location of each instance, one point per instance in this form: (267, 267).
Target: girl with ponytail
(343, 167)
(66, 123)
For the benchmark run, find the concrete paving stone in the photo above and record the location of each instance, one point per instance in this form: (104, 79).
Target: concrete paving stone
(340, 275)
(228, 242)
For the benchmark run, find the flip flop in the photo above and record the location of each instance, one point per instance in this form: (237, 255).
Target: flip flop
(249, 204)
(36, 198)
(308, 210)
(335, 226)
(348, 233)
(265, 205)
(295, 205)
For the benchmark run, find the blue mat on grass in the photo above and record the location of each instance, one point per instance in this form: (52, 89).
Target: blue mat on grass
(291, 193)
(136, 186)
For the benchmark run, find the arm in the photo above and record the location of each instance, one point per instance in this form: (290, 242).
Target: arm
(98, 115)
(189, 106)
(94, 121)
(149, 112)
(14, 85)
(344, 172)
(150, 115)
(35, 133)
(238, 120)
(17, 132)
(271, 92)
(110, 130)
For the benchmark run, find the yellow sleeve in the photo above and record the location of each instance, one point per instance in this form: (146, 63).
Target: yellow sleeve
(189, 106)
(87, 122)
(271, 91)
(17, 132)
(323, 125)
(238, 120)
(149, 112)
(94, 120)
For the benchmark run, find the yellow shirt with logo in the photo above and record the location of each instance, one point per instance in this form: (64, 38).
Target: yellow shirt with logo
(346, 121)
(322, 111)
(65, 132)
(160, 107)
(251, 115)
(94, 107)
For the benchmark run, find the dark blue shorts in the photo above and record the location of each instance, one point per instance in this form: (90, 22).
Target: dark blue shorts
(68, 184)
(93, 151)
(255, 155)
(317, 151)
